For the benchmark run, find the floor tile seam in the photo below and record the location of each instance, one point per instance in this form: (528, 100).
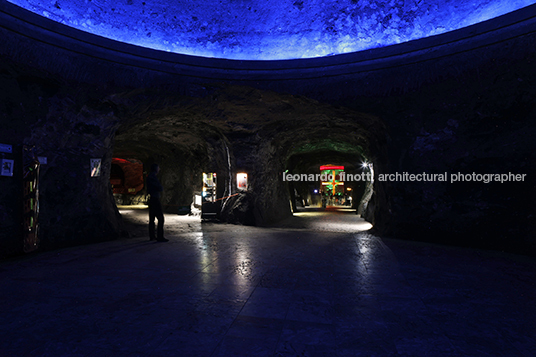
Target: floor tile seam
(420, 298)
(508, 342)
(128, 351)
(106, 352)
(200, 271)
(310, 230)
(521, 353)
(286, 313)
(356, 242)
(234, 320)
(284, 321)
(90, 344)
(405, 279)
(334, 325)
(441, 327)
(154, 350)
(416, 293)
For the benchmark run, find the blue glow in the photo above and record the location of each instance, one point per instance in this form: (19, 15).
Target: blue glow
(268, 30)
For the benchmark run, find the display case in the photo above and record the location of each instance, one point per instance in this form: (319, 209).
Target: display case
(210, 203)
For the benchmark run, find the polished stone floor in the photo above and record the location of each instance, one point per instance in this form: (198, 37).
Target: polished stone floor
(314, 286)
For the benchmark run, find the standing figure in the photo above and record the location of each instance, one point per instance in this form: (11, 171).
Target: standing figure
(154, 189)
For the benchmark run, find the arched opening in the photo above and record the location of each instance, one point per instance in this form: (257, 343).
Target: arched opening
(181, 162)
(127, 180)
(225, 157)
(187, 145)
(331, 176)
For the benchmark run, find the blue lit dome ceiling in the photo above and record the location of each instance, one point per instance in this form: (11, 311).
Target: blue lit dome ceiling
(268, 30)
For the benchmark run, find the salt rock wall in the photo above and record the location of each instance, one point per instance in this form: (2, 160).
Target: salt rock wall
(67, 127)
(480, 121)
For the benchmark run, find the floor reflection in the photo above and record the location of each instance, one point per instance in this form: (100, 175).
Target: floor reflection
(228, 290)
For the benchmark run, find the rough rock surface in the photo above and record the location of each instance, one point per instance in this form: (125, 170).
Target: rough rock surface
(68, 128)
(268, 30)
(239, 129)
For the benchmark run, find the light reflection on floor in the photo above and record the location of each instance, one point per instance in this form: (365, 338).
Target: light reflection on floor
(230, 290)
(331, 219)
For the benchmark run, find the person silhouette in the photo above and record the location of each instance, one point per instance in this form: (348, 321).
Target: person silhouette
(154, 189)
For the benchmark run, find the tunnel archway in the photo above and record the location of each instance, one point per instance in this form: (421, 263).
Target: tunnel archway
(296, 126)
(243, 130)
(127, 180)
(350, 146)
(182, 149)
(312, 190)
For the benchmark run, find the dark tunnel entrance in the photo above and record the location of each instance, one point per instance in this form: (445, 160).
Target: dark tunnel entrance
(227, 157)
(128, 181)
(330, 175)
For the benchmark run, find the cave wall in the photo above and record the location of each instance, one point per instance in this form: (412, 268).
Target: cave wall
(68, 128)
(481, 121)
(157, 127)
(462, 101)
(235, 129)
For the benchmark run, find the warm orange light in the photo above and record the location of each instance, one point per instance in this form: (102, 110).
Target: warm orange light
(242, 181)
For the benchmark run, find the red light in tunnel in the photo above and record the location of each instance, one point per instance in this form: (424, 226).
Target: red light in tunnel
(331, 167)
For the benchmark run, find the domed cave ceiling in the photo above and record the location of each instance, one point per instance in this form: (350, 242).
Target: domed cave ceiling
(268, 30)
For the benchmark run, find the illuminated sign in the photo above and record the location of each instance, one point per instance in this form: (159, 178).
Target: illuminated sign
(335, 184)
